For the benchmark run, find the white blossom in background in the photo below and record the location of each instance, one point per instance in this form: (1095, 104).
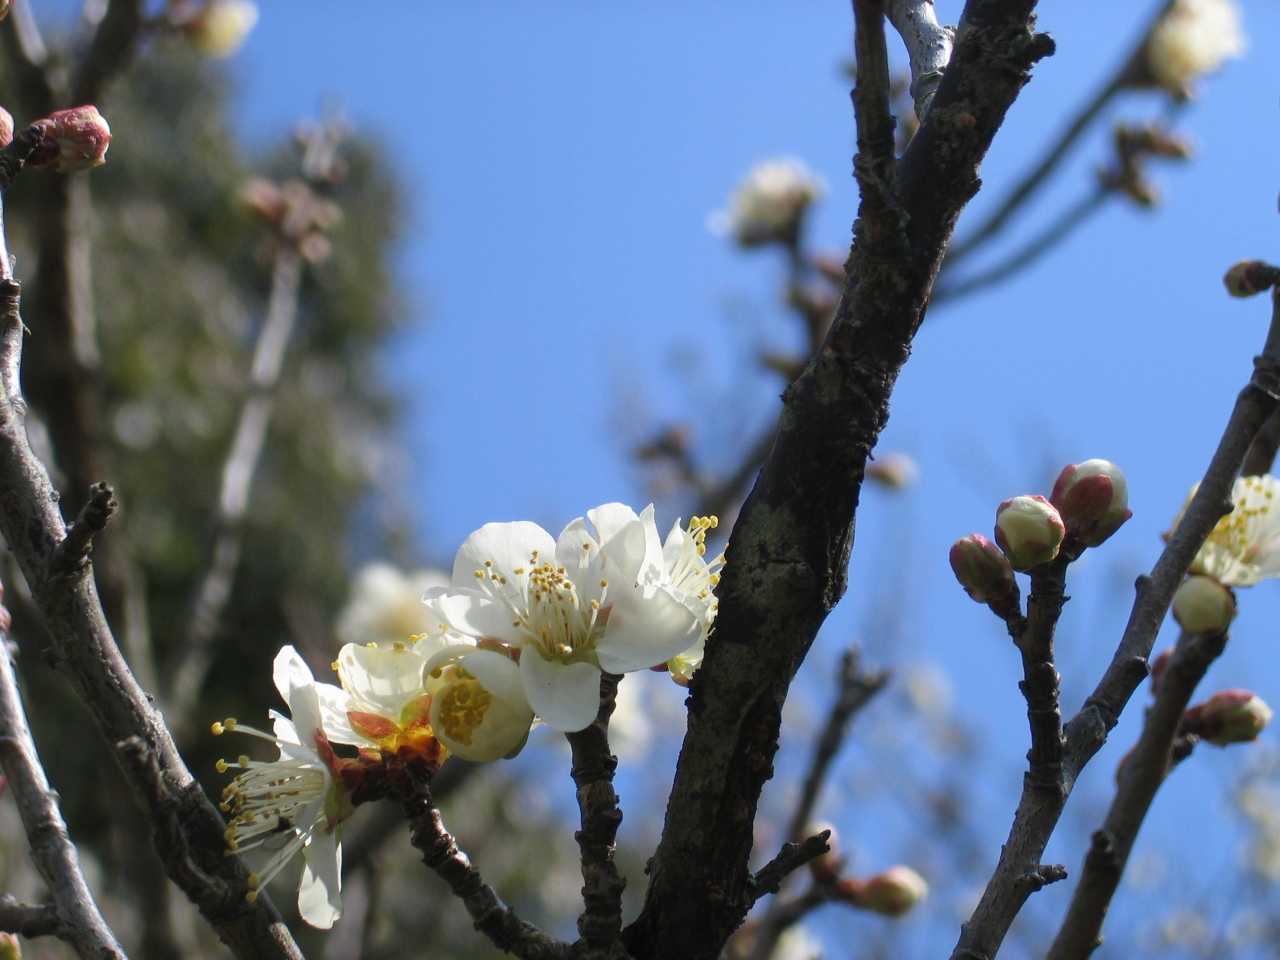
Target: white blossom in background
(386, 605)
(592, 600)
(797, 943)
(893, 470)
(1244, 546)
(769, 203)
(1194, 38)
(222, 27)
(294, 803)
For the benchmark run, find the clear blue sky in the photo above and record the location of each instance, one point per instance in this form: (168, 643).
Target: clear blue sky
(561, 159)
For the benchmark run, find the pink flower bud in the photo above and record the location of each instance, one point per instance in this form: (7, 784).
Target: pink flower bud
(1229, 716)
(1029, 531)
(1249, 277)
(74, 139)
(827, 866)
(982, 569)
(1093, 500)
(6, 121)
(1203, 605)
(1158, 666)
(890, 894)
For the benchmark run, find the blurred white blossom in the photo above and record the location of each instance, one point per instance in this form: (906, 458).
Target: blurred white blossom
(386, 605)
(222, 27)
(769, 203)
(1193, 38)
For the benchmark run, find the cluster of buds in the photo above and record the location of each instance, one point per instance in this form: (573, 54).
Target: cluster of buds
(1229, 716)
(1134, 147)
(1250, 277)
(68, 140)
(1202, 605)
(890, 894)
(301, 215)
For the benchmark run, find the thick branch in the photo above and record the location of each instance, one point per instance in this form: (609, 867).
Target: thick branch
(593, 768)
(492, 917)
(928, 47)
(857, 687)
(1145, 770)
(188, 829)
(789, 550)
(78, 920)
(1038, 814)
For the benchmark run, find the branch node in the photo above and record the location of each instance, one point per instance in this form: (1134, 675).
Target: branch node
(71, 556)
(790, 858)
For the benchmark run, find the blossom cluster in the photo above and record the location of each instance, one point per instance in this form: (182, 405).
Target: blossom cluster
(521, 631)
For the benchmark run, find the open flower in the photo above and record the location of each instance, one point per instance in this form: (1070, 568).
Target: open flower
(590, 601)
(295, 803)
(386, 604)
(1193, 38)
(769, 204)
(478, 706)
(1244, 547)
(692, 578)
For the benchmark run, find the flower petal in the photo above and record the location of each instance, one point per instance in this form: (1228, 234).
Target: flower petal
(498, 674)
(334, 704)
(505, 545)
(381, 680)
(320, 892)
(647, 626)
(477, 617)
(288, 671)
(565, 695)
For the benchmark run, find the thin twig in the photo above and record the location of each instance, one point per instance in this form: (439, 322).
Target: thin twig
(1038, 812)
(857, 688)
(1058, 231)
(492, 917)
(28, 919)
(1145, 769)
(928, 47)
(79, 921)
(593, 769)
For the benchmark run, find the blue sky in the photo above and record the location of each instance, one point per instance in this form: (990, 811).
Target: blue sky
(561, 159)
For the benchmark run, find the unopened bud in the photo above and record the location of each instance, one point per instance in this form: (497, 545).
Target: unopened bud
(1229, 716)
(6, 123)
(896, 471)
(1093, 500)
(74, 139)
(1250, 277)
(262, 198)
(10, 949)
(220, 29)
(1203, 605)
(827, 866)
(982, 568)
(890, 894)
(1158, 667)
(1029, 531)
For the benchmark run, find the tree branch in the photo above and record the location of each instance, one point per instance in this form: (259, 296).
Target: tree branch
(189, 830)
(857, 688)
(1262, 452)
(593, 768)
(928, 47)
(28, 920)
(1038, 813)
(76, 916)
(788, 553)
(110, 50)
(1145, 770)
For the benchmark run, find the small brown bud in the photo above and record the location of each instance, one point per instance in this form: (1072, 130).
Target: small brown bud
(1250, 277)
(71, 140)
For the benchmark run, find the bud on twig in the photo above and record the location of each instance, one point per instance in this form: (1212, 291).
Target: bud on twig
(982, 569)
(71, 140)
(1250, 277)
(1203, 605)
(1229, 716)
(1093, 500)
(894, 470)
(1029, 531)
(890, 894)
(827, 866)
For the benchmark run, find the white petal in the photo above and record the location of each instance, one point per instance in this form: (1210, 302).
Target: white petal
(498, 674)
(304, 705)
(288, 671)
(334, 704)
(578, 551)
(647, 626)
(651, 566)
(505, 545)
(381, 680)
(477, 617)
(320, 893)
(611, 519)
(565, 695)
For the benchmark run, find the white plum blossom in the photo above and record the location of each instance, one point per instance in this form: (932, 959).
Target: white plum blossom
(688, 574)
(222, 27)
(478, 706)
(1244, 546)
(769, 203)
(1193, 38)
(386, 605)
(592, 600)
(294, 803)
(388, 700)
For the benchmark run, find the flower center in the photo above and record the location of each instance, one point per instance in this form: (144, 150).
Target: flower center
(463, 705)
